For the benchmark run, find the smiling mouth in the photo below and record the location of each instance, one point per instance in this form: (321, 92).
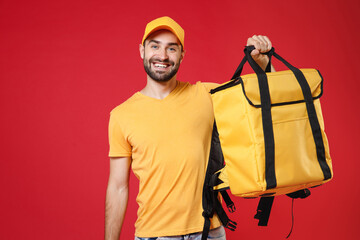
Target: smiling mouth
(161, 66)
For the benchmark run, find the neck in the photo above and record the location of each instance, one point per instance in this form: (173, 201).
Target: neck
(159, 90)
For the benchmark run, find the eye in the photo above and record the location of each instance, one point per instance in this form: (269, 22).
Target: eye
(172, 49)
(154, 47)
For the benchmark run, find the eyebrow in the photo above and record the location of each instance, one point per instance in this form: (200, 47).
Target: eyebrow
(169, 44)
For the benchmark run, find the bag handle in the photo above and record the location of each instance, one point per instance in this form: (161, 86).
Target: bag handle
(245, 59)
(269, 140)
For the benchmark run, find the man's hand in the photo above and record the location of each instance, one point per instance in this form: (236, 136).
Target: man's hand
(262, 44)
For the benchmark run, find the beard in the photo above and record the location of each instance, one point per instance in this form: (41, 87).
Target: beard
(161, 76)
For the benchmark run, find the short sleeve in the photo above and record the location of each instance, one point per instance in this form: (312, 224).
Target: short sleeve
(210, 86)
(119, 146)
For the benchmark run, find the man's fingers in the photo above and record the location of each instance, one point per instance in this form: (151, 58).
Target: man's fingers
(261, 43)
(254, 52)
(268, 42)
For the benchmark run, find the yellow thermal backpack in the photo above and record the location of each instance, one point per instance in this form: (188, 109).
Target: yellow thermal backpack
(268, 139)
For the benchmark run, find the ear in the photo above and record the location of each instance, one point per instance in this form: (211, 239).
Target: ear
(142, 51)
(182, 56)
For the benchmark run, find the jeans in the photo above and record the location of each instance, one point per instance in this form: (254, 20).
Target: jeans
(214, 234)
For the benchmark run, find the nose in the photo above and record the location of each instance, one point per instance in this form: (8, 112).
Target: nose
(163, 54)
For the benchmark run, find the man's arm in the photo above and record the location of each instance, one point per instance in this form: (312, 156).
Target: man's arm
(117, 194)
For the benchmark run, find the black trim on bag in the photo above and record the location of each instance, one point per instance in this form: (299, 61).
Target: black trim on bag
(232, 83)
(239, 80)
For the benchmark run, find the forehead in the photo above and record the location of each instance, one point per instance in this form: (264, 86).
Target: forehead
(163, 36)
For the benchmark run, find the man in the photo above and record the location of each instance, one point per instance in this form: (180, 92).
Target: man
(164, 133)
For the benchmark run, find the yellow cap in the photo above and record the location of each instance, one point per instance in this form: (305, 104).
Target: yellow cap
(165, 23)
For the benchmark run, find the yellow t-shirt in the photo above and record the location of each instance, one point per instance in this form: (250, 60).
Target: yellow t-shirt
(169, 143)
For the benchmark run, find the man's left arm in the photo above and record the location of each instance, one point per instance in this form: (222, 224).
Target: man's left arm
(262, 44)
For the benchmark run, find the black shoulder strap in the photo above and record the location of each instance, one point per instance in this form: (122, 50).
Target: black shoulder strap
(210, 201)
(264, 210)
(229, 203)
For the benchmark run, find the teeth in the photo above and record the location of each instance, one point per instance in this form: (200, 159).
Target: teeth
(160, 65)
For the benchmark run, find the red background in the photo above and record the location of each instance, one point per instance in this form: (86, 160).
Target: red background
(65, 64)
